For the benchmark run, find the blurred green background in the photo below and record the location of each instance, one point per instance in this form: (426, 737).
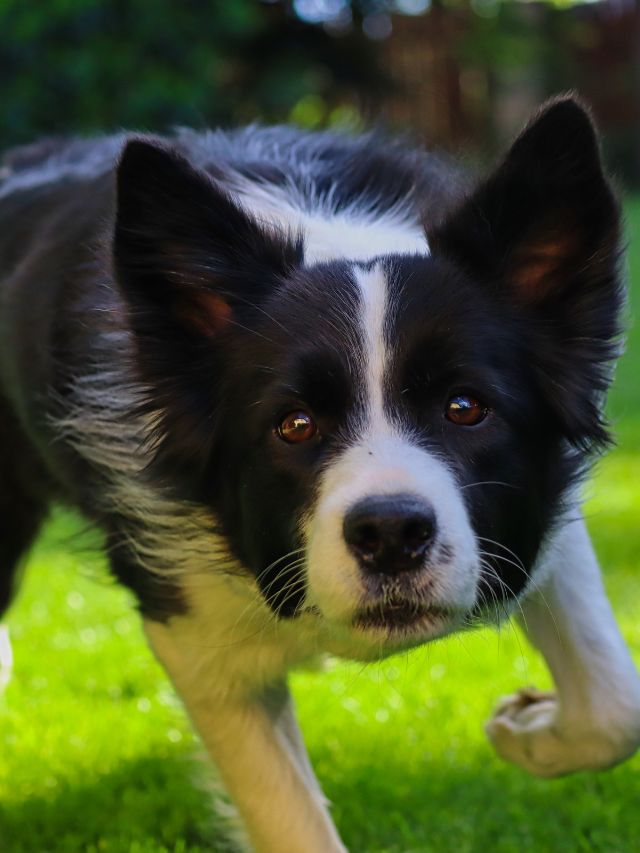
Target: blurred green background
(461, 74)
(96, 753)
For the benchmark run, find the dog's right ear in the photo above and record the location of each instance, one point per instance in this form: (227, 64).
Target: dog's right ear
(186, 256)
(193, 268)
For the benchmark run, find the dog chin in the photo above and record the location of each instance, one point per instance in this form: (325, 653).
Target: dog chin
(374, 631)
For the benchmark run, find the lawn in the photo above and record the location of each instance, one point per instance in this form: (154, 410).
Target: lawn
(96, 753)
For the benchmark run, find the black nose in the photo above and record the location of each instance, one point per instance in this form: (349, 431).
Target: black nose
(389, 534)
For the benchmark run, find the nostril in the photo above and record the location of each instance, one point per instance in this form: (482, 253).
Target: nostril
(417, 533)
(366, 540)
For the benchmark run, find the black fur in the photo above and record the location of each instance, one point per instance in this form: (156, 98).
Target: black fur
(518, 303)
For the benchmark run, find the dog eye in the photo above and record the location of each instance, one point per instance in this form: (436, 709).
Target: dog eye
(464, 410)
(297, 427)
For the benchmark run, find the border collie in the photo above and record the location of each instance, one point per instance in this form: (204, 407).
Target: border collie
(320, 396)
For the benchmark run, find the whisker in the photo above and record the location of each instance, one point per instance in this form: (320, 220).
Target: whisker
(281, 573)
(503, 584)
(490, 483)
(251, 331)
(520, 566)
(504, 547)
(281, 559)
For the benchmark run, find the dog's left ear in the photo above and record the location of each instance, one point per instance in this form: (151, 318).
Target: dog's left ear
(542, 234)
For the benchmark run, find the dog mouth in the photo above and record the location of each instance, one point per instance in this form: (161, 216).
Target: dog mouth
(399, 615)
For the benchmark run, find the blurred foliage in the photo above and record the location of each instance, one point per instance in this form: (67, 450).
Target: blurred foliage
(81, 65)
(78, 66)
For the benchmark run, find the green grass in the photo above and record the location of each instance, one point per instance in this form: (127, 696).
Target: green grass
(96, 754)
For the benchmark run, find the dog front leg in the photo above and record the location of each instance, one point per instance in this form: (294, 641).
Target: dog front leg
(253, 738)
(592, 721)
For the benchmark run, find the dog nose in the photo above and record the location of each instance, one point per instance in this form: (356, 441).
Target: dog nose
(389, 534)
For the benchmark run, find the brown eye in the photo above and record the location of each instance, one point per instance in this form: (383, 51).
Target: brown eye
(297, 427)
(464, 410)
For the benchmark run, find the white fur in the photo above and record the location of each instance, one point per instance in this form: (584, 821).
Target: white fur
(174, 538)
(354, 234)
(385, 460)
(374, 295)
(78, 159)
(236, 696)
(594, 720)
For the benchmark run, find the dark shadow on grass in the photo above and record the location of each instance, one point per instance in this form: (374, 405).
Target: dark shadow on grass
(149, 804)
(483, 805)
(381, 805)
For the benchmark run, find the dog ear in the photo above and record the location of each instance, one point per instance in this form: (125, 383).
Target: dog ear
(186, 256)
(542, 234)
(193, 268)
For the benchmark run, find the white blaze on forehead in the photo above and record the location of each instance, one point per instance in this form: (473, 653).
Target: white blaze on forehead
(351, 234)
(374, 301)
(342, 236)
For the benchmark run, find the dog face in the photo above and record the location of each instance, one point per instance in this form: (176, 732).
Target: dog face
(384, 442)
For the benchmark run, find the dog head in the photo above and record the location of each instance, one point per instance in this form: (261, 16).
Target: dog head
(385, 442)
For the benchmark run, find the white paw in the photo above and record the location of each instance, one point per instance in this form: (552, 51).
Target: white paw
(527, 729)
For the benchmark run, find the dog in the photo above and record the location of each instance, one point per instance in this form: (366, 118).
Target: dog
(322, 396)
